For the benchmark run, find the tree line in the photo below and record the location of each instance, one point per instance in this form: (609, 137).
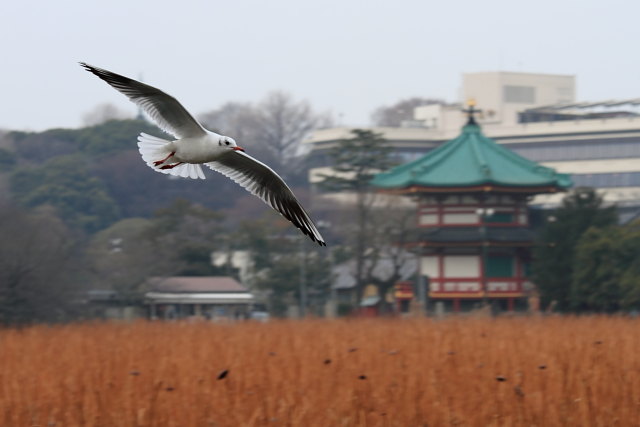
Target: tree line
(81, 211)
(122, 223)
(584, 261)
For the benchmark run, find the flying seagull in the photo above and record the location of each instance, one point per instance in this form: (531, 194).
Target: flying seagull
(194, 145)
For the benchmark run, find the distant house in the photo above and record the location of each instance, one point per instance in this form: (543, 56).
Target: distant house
(207, 297)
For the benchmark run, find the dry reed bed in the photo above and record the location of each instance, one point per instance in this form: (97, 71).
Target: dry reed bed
(476, 372)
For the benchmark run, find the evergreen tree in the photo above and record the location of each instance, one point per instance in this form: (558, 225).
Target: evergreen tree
(606, 270)
(122, 257)
(282, 280)
(187, 233)
(355, 162)
(554, 253)
(66, 184)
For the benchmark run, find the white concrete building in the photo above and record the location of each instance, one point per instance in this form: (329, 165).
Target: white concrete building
(537, 116)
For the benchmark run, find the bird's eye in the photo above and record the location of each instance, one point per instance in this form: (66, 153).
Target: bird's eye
(226, 142)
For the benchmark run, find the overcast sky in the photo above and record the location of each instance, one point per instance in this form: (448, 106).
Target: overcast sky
(347, 57)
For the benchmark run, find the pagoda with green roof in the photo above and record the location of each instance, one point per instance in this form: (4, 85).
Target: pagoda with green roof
(474, 236)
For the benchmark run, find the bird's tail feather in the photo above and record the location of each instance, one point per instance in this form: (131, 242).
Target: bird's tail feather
(153, 149)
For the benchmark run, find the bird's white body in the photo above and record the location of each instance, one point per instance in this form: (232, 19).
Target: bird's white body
(183, 157)
(194, 146)
(197, 150)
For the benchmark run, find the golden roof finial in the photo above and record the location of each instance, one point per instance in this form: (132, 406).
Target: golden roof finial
(471, 110)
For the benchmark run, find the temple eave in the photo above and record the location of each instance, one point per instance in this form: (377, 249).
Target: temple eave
(423, 244)
(486, 188)
(475, 295)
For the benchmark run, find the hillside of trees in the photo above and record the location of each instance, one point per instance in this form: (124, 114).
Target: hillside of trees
(94, 176)
(121, 222)
(82, 211)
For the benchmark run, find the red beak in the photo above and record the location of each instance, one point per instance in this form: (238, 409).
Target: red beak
(239, 149)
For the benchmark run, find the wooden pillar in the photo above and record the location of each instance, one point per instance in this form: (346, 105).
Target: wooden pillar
(456, 305)
(484, 281)
(519, 259)
(510, 305)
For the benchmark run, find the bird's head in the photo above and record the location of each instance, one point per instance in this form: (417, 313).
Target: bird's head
(226, 141)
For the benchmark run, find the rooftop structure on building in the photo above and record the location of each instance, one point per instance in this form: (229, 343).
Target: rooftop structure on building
(536, 116)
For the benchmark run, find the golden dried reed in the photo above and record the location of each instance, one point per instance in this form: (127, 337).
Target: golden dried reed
(379, 372)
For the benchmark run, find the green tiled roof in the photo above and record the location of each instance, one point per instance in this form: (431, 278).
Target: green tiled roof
(470, 160)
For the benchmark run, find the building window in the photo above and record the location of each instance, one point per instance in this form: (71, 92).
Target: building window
(520, 94)
(501, 217)
(558, 151)
(526, 269)
(607, 180)
(428, 219)
(460, 218)
(461, 266)
(565, 94)
(499, 266)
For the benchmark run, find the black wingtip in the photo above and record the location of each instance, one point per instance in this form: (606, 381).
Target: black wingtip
(311, 235)
(314, 238)
(90, 68)
(318, 241)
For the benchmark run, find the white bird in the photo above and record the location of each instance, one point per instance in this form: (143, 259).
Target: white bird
(194, 145)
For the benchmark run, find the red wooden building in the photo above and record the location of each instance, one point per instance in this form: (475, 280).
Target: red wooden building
(473, 233)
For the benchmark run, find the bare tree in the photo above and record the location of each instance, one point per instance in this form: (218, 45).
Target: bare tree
(103, 113)
(376, 248)
(271, 130)
(5, 141)
(178, 240)
(284, 123)
(120, 258)
(236, 119)
(35, 267)
(387, 259)
(394, 115)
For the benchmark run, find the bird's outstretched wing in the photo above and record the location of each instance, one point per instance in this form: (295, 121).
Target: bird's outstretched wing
(260, 180)
(164, 109)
